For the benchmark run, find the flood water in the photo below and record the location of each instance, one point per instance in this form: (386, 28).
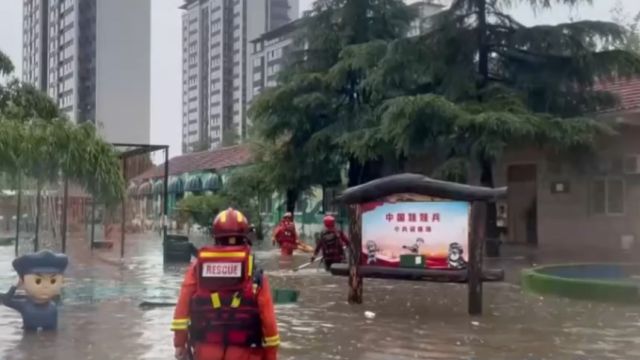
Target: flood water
(100, 317)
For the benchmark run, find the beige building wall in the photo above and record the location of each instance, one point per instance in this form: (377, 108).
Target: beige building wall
(566, 221)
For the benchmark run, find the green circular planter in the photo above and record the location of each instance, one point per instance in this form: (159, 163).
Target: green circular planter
(595, 282)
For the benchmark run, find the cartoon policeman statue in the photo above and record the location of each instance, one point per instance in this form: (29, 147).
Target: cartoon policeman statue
(41, 277)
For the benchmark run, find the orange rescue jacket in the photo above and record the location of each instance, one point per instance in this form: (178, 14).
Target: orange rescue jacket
(181, 318)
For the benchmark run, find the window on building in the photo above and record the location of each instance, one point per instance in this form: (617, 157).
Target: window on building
(607, 196)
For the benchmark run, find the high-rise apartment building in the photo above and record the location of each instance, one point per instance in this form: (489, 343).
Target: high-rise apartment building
(271, 50)
(93, 57)
(215, 49)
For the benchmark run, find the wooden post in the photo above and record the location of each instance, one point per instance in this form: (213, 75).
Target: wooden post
(355, 237)
(93, 221)
(165, 195)
(65, 205)
(36, 239)
(123, 224)
(476, 242)
(18, 215)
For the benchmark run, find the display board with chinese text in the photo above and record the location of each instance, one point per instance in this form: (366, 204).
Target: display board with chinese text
(436, 229)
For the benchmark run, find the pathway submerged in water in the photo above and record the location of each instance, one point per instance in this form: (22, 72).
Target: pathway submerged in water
(101, 319)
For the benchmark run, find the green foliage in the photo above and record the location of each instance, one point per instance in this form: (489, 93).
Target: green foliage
(37, 142)
(6, 66)
(479, 82)
(23, 102)
(201, 209)
(200, 146)
(50, 150)
(244, 190)
(619, 16)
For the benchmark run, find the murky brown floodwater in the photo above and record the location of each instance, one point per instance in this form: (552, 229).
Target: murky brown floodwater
(100, 318)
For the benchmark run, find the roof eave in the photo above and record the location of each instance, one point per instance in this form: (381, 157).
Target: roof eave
(419, 184)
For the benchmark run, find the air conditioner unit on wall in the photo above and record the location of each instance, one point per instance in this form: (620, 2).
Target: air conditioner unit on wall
(631, 164)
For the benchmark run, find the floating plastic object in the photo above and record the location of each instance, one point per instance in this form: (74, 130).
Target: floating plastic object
(108, 245)
(280, 297)
(41, 278)
(369, 315)
(177, 248)
(285, 296)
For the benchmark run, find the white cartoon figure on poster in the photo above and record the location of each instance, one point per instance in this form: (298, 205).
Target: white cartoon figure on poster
(456, 261)
(415, 248)
(372, 252)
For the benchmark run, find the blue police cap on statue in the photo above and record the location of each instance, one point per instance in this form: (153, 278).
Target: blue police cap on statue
(42, 262)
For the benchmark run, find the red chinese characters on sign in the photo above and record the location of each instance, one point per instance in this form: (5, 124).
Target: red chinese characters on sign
(413, 218)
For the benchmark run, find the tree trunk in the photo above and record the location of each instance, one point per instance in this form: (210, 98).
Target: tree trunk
(474, 271)
(483, 48)
(360, 173)
(292, 198)
(18, 214)
(486, 179)
(36, 240)
(486, 166)
(355, 237)
(358, 25)
(65, 205)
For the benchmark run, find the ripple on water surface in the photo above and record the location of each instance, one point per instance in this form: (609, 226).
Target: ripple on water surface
(100, 317)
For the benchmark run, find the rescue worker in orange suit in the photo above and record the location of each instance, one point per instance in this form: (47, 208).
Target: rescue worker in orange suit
(285, 235)
(225, 310)
(332, 242)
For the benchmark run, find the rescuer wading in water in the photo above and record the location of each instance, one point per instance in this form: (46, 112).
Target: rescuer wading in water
(225, 310)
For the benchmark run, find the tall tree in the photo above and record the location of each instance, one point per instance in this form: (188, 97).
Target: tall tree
(6, 66)
(631, 24)
(493, 82)
(301, 120)
(37, 142)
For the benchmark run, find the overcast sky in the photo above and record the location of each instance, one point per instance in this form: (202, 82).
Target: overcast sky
(166, 51)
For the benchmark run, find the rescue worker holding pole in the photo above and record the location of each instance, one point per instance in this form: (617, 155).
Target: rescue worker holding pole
(332, 242)
(225, 310)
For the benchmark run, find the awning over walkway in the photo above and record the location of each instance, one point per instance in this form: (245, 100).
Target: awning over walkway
(176, 185)
(211, 182)
(193, 184)
(158, 187)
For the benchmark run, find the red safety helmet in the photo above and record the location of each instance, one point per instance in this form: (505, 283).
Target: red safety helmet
(329, 221)
(230, 227)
